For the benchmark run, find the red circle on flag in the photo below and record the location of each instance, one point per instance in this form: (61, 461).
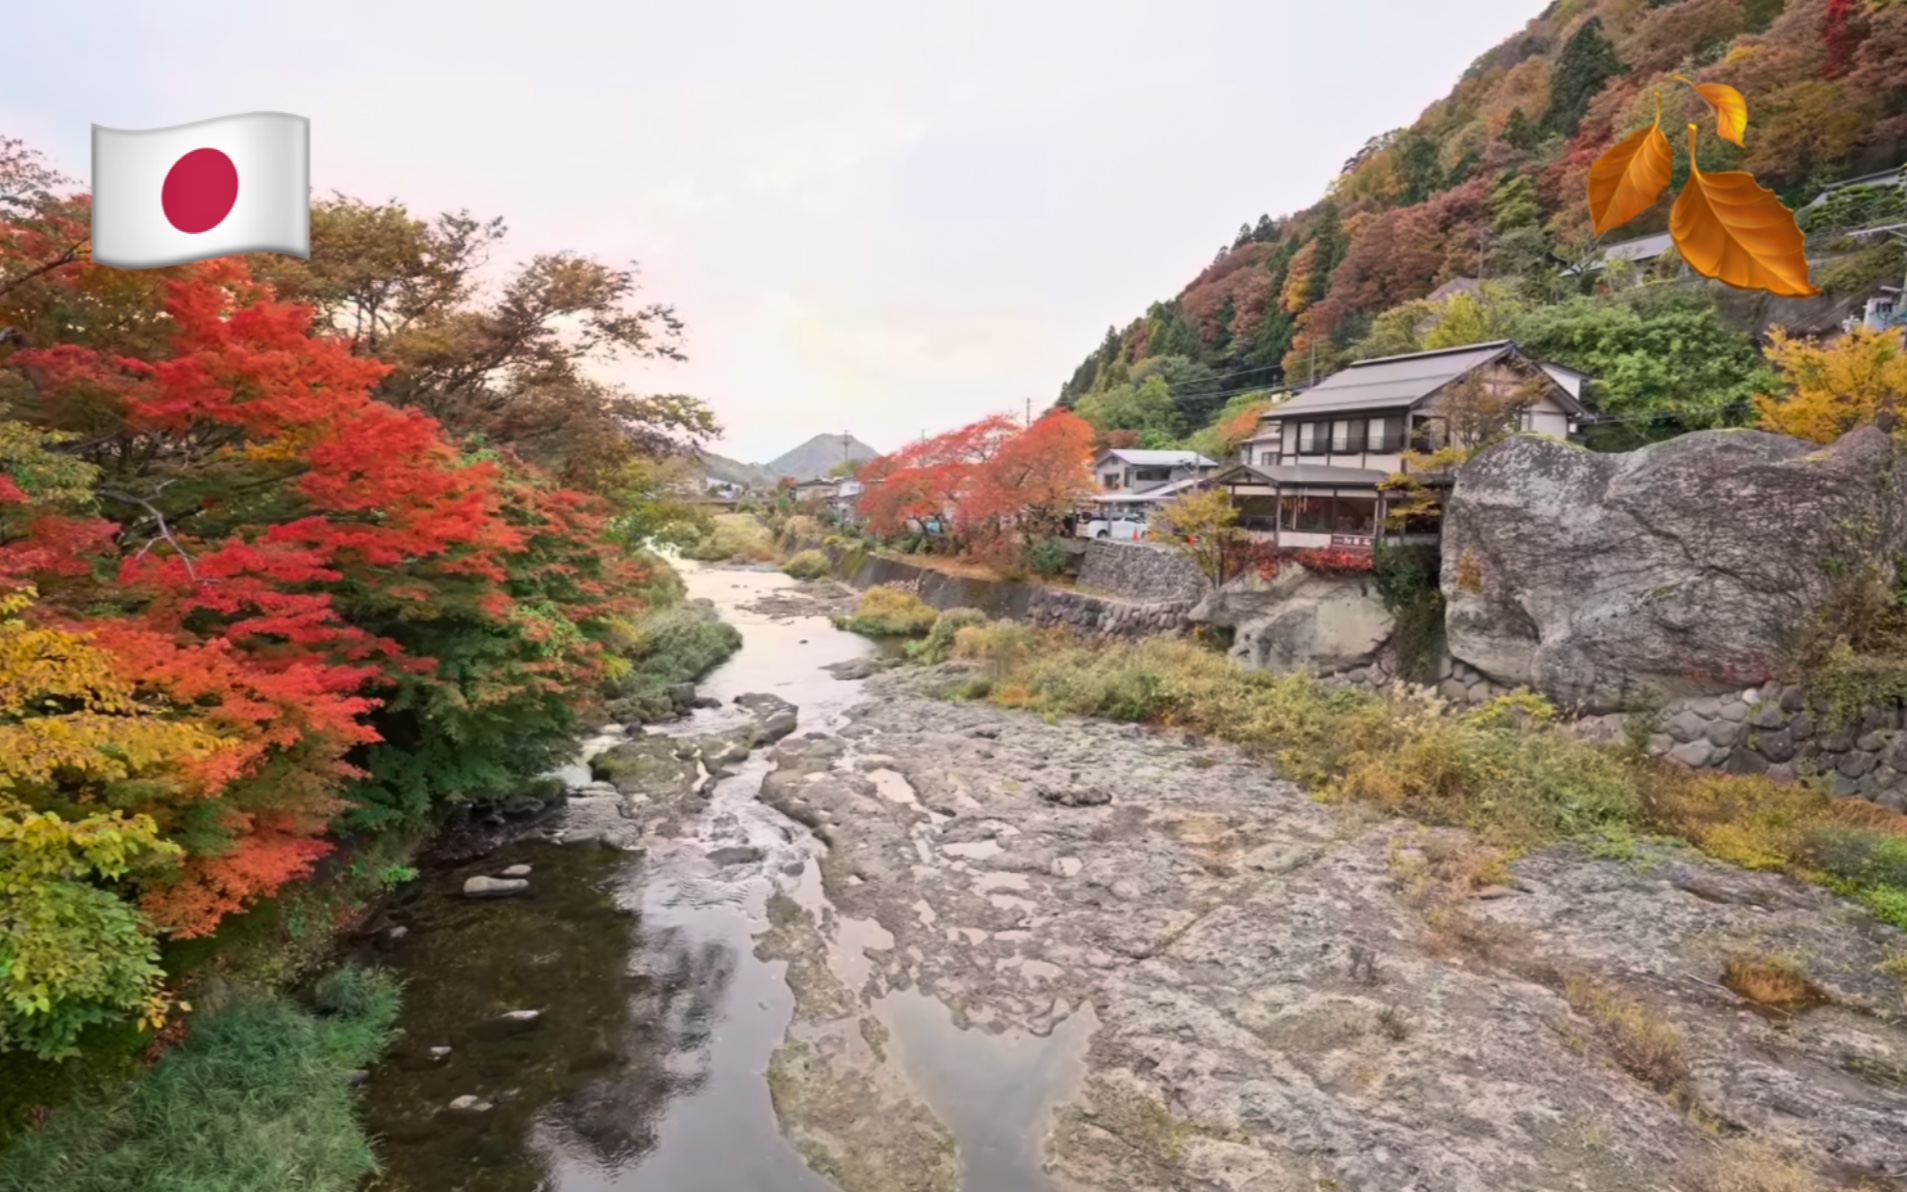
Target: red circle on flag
(199, 191)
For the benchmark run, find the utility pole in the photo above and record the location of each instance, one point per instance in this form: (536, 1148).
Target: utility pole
(1029, 411)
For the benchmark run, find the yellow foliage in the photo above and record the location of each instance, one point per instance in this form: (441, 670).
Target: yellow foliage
(1836, 388)
(1747, 820)
(66, 715)
(1202, 523)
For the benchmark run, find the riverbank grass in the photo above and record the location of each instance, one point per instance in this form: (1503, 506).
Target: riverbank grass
(807, 564)
(258, 1096)
(734, 537)
(887, 611)
(1505, 769)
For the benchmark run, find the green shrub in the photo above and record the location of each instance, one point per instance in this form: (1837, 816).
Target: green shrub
(678, 644)
(938, 645)
(809, 564)
(1408, 581)
(890, 612)
(1859, 855)
(257, 1097)
(1049, 557)
(735, 536)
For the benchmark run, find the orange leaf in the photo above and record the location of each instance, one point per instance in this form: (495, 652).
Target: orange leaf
(1630, 176)
(1731, 110)
(1731, 228)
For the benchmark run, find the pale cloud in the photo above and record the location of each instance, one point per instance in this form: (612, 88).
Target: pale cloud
(813, 159)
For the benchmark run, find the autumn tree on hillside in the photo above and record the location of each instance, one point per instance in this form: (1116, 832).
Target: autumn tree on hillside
(1021, 495)
(1859, 380)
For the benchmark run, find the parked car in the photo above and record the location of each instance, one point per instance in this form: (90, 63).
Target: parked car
(1126, 527)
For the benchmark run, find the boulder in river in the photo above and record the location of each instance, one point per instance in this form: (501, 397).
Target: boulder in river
(493, 887)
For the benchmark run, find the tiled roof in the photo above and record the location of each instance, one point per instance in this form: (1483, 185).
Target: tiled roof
(1393, 381)
(1390, 381)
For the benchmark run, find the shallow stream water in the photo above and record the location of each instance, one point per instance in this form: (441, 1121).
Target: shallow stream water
(644, 1063)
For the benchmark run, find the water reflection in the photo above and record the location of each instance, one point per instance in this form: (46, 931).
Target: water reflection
(562, 951)
(645, 1066)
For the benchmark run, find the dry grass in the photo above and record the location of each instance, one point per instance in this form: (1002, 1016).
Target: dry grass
(1749, 1165)
(734, 536)
(1445, 868)
(1771, 981)
(1641, 1040)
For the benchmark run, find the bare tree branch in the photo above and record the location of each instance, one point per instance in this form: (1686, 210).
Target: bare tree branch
(165, 532)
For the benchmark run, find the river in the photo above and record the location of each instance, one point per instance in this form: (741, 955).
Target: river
(612, 1027)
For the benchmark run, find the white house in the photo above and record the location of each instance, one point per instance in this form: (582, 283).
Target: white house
(1133, 483)
(1124, 470)
(1309, 476)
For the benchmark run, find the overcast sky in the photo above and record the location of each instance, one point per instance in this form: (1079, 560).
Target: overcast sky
(877, 216)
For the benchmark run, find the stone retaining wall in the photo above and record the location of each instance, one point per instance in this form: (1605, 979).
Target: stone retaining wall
(1098, 616)
(1035, 604)
(1780, 732)
(1457, 682)
(1140, 571)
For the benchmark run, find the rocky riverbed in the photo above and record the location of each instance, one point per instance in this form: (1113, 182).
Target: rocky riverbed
(854, 935)
(1284, 995)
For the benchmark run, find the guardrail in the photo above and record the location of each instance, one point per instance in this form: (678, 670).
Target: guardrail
(1816, 242)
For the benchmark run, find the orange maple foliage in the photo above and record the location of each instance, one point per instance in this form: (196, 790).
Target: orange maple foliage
(926, 481)
(1019, 496)
(263, 606)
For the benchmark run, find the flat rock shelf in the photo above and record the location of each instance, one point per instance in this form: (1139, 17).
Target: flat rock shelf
(849, 934)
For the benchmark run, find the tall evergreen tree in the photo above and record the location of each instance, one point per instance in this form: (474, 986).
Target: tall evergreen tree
(1521, 132)
(1417, 166)
(1587, 62)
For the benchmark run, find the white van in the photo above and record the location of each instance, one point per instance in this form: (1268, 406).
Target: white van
(1121, 527)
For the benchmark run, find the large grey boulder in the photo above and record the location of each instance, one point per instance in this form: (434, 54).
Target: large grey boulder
(1681, 569)
(1298, 619)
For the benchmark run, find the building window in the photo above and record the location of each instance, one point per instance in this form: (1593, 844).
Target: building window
(1347, 436)
(1268, 457)
(1355, 515)
(1306, 515)
(1386, 434)
(1311, 438)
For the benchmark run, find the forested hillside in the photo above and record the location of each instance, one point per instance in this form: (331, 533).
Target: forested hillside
(1489, 185)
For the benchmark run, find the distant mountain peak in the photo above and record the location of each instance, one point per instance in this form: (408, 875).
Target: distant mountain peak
(819, 456)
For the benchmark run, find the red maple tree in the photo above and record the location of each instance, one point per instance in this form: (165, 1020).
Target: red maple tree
(1019, 496)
